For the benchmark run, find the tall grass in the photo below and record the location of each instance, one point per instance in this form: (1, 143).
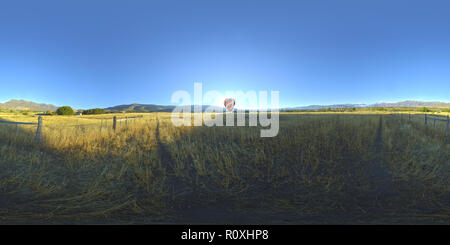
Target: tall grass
(335, 167)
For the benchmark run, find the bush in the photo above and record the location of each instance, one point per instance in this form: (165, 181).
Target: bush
(65, 110)
(94, 111)
(424, 109)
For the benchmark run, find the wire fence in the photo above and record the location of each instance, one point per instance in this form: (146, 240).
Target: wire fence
(38, 130)
(429, 121)
(114, 124)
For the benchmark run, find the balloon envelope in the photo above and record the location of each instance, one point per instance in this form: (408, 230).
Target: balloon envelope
(229, 104)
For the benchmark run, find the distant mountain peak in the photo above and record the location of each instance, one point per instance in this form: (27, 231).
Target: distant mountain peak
(19, 104)
(154, 108)
(411, 103)
(406, 103)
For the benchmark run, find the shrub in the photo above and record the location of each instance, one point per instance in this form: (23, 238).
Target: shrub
(65, 110)
(424, 109)
(94, 111)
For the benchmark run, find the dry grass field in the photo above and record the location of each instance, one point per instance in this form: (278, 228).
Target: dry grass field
(329, 168)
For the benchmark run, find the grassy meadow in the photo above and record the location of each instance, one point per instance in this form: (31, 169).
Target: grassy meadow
(321, 168)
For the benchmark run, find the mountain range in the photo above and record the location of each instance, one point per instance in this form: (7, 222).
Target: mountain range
(169, 108)
(141, 107)
(412, 103)
(407, 103)
(27, 106)
(152, 107)
(32, 106)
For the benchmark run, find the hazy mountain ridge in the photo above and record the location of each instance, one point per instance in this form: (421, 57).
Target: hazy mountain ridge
(27, 105)
(140, 107)
(407, 103)
(411, 103)
(153, 108)
(33, 106)
(317, 107)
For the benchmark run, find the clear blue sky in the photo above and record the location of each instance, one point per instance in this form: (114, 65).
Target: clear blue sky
(105, 53)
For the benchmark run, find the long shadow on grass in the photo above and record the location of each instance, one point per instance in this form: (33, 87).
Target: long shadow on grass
(228, 176)
(276, 189)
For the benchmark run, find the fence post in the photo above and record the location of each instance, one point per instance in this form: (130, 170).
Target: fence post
(17, 130)
(39, 130)
(114, 123)
(434, 123)
(448, 122)
(425, 120)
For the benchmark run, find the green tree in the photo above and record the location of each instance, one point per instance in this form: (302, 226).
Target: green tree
(65, 110)
(94, 111)
(424, 109)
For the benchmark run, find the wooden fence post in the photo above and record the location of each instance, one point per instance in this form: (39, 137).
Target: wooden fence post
(448, 122)
(17, 130)
(425, 120)
(39, 130)
(114, 123)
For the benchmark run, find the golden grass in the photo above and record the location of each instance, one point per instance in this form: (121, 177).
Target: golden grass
(329, 164)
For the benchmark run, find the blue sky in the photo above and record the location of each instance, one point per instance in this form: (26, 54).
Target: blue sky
(102, 53)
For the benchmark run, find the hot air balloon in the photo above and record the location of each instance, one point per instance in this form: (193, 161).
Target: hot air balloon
(229, 104)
